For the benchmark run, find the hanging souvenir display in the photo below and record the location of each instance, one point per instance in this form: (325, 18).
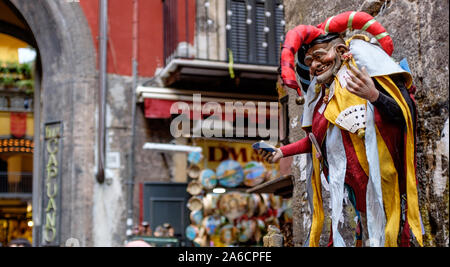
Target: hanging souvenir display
(194, 188)
(191, 232)
(254, 173)
(211, 204)
(196, 217)
(194, 158)
(228, 234)
(233, 218)
(208, 178)
(247, 230)
(195, 203)
(233, 205)
(193, 171)
(230, 173)
(212, 223)
(253, 201)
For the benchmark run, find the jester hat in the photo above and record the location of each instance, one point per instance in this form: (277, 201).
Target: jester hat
(298, 39)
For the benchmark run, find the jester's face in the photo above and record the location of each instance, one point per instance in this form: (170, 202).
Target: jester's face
(324, 60)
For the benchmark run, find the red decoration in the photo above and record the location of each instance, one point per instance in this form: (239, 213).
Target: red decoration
(18, 124)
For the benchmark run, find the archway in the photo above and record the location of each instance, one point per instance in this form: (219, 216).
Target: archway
(65, 93)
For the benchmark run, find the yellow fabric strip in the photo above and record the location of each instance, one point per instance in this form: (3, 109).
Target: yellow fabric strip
(350, 20)
(391, 193)
(360, 149)
(328, 24)
(367, 25)
(318, 215)
(413, 213)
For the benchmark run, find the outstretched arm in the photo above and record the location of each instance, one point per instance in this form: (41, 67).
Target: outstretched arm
(299, 147)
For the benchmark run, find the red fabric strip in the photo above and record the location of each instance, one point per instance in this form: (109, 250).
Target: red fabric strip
(355, 176)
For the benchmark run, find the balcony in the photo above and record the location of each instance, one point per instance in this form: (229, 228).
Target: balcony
(226, 45)
(16, 184)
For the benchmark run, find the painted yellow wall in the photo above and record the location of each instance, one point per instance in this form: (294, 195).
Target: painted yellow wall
(9, 48)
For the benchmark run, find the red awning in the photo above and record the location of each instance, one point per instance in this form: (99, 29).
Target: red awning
(160, 109)
(157, 108)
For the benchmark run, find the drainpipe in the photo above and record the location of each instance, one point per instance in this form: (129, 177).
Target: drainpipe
(103, 87)
(134, 63)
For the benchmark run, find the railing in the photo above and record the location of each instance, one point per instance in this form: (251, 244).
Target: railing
(16, 182)
(15, 101)
(244, 31)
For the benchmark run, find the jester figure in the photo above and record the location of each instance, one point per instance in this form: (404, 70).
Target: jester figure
(359, 117)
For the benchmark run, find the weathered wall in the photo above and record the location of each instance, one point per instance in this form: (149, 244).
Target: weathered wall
(68, 95)
(420, 33)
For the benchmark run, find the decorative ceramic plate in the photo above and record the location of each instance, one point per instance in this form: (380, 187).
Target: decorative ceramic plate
(212, 223)
(191, 232)
(194, 157)
(196, 217)
(208, 178)
(247, 230)
(195, 203)
(228, 234)
(211, 203)
(233, 205)
(253, 204)
(253, 173)
(264, 204)
(194, 188)
(193, 171)
(230, 173)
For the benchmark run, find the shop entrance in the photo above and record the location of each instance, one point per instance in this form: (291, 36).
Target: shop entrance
(164, 205)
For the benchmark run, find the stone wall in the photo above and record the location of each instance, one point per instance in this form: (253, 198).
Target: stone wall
(420, 33)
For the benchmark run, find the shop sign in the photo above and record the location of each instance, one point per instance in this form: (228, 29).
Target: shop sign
(217, 151)
(51, 190)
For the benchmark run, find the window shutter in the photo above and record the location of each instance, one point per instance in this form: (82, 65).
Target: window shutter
(246, 41)
(238, 34)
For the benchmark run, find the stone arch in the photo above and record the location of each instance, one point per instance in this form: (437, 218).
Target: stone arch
(68, 94)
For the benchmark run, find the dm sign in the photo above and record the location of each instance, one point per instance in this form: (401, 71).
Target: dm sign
(52, 184)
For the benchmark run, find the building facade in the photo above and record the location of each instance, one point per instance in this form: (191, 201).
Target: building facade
(106, 75)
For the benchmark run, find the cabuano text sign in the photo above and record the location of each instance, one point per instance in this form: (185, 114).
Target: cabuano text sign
(52, 184)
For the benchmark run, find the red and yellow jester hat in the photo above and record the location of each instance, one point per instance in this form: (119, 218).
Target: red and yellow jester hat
(295, 38)
(305, 34)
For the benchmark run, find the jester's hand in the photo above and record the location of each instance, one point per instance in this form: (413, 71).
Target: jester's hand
(271, 157)
(361, 84)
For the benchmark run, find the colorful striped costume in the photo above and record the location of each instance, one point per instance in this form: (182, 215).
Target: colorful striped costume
(379, 169)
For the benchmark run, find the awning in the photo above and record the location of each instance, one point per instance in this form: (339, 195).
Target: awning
(159, 101)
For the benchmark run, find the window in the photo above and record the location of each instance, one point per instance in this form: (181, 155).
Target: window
(255, 31)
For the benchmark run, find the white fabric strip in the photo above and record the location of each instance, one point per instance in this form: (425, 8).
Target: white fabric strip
(337, 162)
(376, 220)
